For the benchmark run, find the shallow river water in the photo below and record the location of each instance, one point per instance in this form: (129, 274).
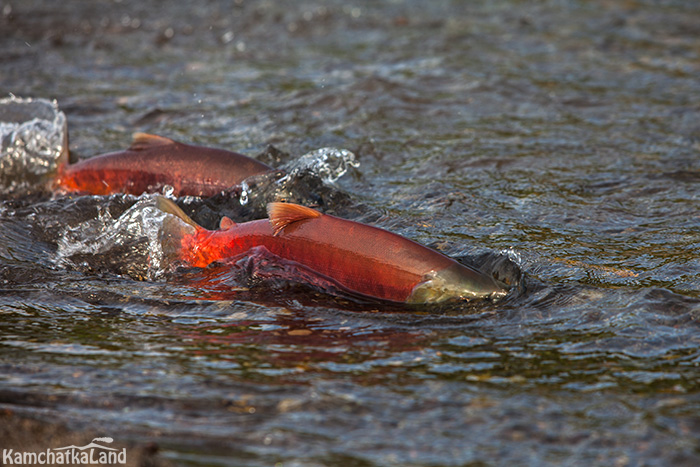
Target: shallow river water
(554, 143)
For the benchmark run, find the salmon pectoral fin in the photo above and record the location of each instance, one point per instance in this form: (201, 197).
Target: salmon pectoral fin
(144, 141)
(282, 215)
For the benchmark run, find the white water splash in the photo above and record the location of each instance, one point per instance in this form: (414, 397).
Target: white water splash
(512, 255)
(328, 163)
(33, 141)
(143, 224)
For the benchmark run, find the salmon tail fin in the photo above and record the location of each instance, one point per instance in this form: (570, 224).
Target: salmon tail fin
(144, 141)
(167, 206)
(282, 215)
(65, 155)
(174, 231)
(62, 161)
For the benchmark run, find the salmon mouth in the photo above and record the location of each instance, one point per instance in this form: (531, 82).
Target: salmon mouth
(456, 282)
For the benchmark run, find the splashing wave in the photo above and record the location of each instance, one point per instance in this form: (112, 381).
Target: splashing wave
(33, 142)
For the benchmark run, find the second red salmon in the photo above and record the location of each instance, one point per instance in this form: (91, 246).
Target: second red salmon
(152, 162)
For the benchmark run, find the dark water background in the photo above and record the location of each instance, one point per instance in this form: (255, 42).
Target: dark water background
(564, 134)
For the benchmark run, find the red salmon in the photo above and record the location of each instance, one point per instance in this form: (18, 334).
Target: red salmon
(357, 257)
(151, 162)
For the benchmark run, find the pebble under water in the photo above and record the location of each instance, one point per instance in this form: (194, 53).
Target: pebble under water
(554, 144)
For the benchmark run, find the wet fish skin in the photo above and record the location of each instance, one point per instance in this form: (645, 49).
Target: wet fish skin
(359, 258)
(152, 162)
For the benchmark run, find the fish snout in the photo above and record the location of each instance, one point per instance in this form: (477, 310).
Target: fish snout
(456, 282)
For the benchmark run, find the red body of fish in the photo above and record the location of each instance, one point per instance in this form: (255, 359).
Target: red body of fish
(152, 162)
(358, 257)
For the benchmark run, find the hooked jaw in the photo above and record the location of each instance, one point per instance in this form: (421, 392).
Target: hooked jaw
(455, 282)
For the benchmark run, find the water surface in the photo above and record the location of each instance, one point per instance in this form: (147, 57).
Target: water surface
(562, 135)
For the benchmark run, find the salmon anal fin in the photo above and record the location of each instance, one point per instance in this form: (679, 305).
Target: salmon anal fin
(283, 215)
(226, 223)
(143, 141)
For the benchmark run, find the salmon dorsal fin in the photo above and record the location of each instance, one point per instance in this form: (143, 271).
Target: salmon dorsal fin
(143, 141)
(282, 215)
(226, 223)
